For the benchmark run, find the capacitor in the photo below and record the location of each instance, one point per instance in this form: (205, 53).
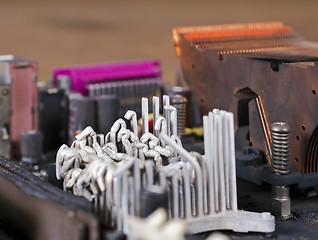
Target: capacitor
(81, 114)
(31, 146)
(107, 112)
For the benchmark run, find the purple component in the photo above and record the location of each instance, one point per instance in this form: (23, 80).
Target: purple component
(82, 75)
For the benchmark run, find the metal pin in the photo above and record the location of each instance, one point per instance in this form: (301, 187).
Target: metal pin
(137, 186)
(125, 207)
(208, 157)
(175, 197)
(117, 197)
(131, 196)
(162, 179)
(187, 192)
(203, 166)
(187, 157)
(96, 89)
(144, 107)
(214, 161)
(155, 110)
(226, 152)
(161, 126)
(108, 88)
(165, 102)
(132, 94)
(109, 200)
(219, 123)
(232, 162)
(90, 90)
(171, 120)
(103, 88)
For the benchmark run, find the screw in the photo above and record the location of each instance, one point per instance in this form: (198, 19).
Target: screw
(280, 201)
(280, 147)
(180, 103)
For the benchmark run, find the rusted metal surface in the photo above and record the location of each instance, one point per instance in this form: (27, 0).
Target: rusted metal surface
(41, 211)
(276, 64)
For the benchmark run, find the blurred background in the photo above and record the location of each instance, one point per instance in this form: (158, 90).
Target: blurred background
(59, 33)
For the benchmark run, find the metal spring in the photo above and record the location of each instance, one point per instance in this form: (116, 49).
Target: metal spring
(280, 147)
(180, 103)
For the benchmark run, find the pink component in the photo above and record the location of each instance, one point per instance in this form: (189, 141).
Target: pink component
(80, 76)
(24, 101)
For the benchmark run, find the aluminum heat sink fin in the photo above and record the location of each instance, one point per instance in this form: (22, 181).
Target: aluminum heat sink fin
(221, 190)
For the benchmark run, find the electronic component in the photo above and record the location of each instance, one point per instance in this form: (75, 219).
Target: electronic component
(5, 103)
(107, 112)
(110, 171)
(81, 113)
(18, 100)
(99, 112)
(31, 146)
(5, 144)
(129, 81)
(253, 70)
(52, 118)
(126, 173)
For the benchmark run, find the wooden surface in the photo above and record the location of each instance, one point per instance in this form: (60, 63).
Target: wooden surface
(58, 33)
